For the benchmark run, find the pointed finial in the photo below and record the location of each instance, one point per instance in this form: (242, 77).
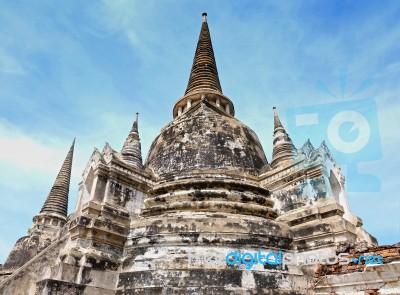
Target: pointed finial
(324, 145)
(204, 15)
(308, 145)
(277, 121)
(275, 111)
(135, 124)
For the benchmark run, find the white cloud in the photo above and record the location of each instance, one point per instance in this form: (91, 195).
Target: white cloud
(113, 16)
(26, 152)
(31, 161)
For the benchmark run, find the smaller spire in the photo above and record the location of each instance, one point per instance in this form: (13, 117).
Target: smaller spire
(57, 200)
(283, 148)
(131, 151)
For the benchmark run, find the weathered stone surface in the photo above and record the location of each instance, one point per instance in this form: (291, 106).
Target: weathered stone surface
(205, 138)
(205, 189)
(24, 250)
(359, 277)
(53, 287)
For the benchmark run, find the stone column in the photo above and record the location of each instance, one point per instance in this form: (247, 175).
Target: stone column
(227, 109)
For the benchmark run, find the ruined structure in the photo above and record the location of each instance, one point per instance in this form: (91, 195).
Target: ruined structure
(206, 187)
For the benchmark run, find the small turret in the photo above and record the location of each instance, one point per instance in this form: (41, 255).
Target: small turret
(283, 148)
(131, 151)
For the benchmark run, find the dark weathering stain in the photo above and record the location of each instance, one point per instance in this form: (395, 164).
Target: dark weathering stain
(189, 238)
(311, 230)
(207, 277)
(101, 264)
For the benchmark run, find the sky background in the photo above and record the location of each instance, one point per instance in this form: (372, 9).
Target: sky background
(84, 68)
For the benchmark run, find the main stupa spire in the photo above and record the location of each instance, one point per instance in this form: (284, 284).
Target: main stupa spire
(204, 73)
(203, 80)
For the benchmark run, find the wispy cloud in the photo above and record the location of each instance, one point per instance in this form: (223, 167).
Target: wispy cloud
(29, 161)
(25, 152)
(9, 64)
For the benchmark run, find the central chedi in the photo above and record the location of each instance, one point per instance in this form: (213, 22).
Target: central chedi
(204, 134)
(205, 190)
(207, 200)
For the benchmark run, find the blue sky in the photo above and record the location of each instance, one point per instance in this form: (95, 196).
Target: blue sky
(84, 68)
